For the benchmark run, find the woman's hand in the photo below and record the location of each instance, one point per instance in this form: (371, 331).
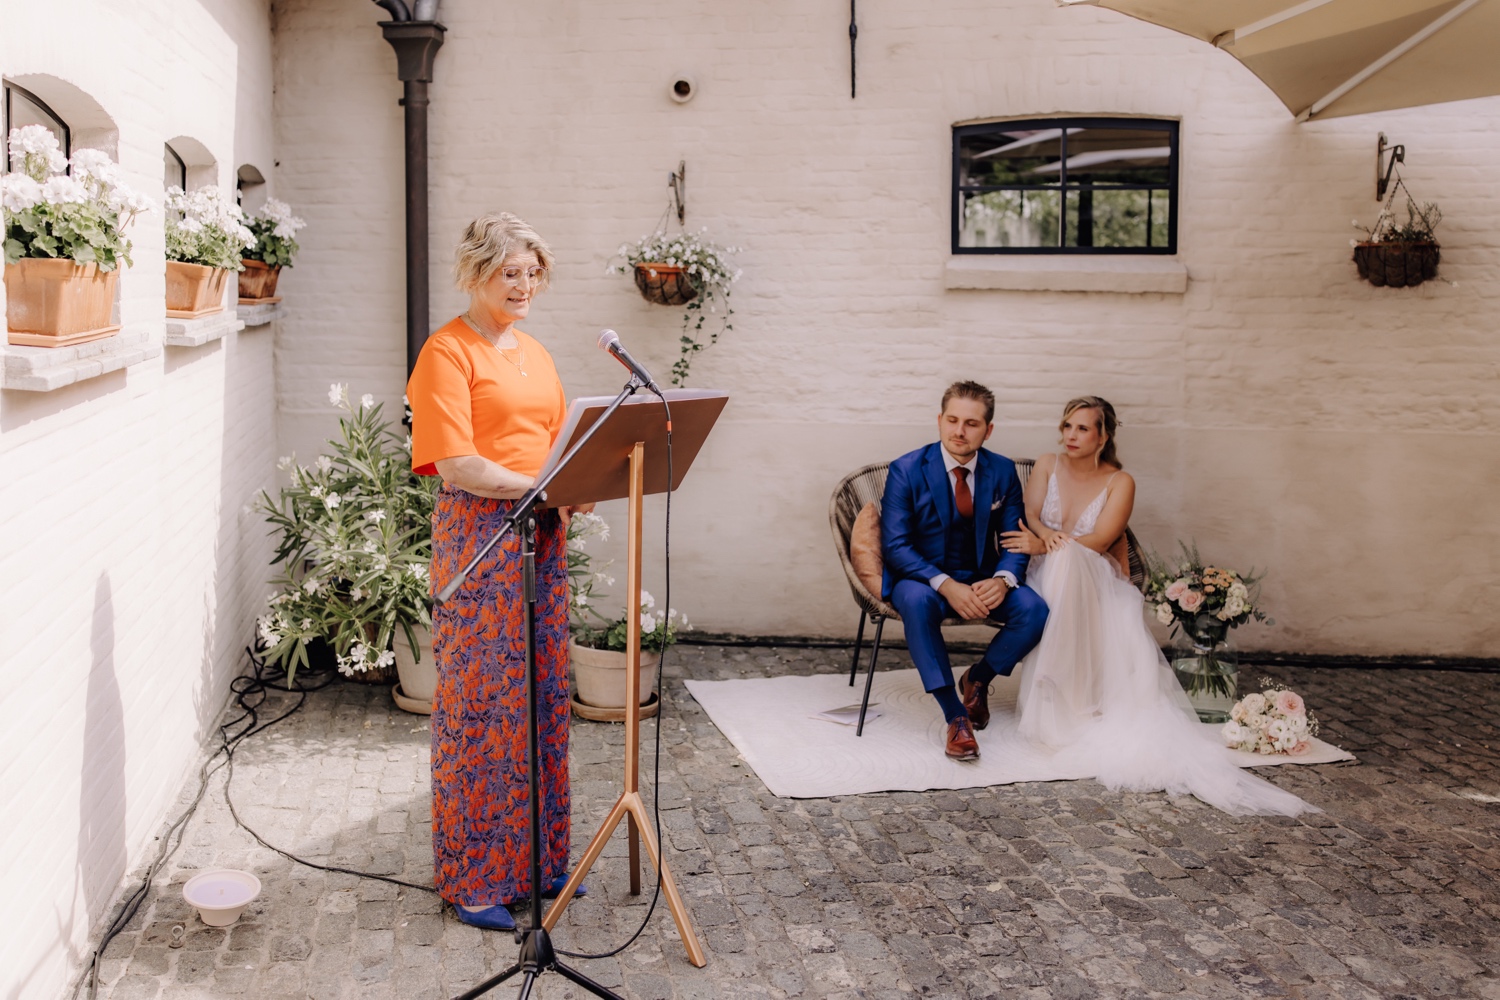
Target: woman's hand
(566, 513)
(1057, 540)
(1022, 540)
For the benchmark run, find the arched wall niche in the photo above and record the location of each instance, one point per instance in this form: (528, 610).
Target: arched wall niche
(91, 126)
(202, 168)
(251, 185)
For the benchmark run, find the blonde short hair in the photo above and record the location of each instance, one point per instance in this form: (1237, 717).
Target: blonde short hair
(488, 241)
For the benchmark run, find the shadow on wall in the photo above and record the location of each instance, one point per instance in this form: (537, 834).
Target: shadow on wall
(101, 796)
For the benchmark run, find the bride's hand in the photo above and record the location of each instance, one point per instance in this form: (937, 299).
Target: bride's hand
(1057, 540)
(1022, 540)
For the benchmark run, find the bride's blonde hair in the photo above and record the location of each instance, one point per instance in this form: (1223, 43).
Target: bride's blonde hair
(1107, 423)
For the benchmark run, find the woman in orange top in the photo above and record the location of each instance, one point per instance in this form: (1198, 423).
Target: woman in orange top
(486, 406)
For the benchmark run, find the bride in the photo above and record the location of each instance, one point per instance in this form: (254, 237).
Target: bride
(1096, 691)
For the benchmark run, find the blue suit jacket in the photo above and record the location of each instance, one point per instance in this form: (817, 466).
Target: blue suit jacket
(918, 508)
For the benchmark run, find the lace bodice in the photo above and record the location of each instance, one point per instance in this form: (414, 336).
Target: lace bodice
(1052, 508)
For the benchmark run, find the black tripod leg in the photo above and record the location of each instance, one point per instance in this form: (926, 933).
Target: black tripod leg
(859, 641)
(526, 985)
(584, 981)
(490, 983)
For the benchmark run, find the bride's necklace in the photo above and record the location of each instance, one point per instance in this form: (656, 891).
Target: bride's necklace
(520, 364)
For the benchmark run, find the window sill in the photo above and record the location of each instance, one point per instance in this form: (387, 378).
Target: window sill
(42, 369)
(1130, 274)
(261, 315)
(197, 332)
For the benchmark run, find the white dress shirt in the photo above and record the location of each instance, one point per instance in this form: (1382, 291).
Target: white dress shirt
(950, 463)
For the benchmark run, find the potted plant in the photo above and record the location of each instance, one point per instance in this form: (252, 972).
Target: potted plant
(683, 270)
(355, 544)
(597, 648)
(205, 236)
(1396, 255)
(275, 230)
(64, 241)
(1202, 604)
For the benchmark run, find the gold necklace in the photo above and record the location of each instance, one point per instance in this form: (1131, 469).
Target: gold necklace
(518, 364)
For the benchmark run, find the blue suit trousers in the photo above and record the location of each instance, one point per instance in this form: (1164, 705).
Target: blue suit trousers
(1021, 615)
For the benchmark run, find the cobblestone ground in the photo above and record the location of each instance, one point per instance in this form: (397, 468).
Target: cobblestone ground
(1034, 890)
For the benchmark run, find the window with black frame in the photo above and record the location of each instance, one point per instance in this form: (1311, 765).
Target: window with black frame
(23, 108)
(1065, 185)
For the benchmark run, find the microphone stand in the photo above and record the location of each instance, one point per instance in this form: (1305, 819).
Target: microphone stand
(537, 955)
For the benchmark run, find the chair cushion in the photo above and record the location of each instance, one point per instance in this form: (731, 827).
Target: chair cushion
(864, 548)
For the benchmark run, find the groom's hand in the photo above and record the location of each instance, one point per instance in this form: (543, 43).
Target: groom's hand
(963, 599)
(992, 591)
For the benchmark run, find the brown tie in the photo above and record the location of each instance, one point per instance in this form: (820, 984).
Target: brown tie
(962, 498)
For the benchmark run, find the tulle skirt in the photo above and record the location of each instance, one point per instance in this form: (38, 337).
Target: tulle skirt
(1097, 695)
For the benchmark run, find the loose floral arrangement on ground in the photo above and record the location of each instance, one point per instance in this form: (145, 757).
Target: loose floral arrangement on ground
(51, 214)
(204, 227)
(275, 230)
(355, 545)
(1272, 721)
(658, 628)
(1202, 603)
(708, 270)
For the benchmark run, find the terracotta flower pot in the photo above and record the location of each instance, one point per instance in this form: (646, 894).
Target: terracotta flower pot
(599, 675)
(258, 282)
(53, 303)
(664, 284)
(194, 290)
(1397, 265)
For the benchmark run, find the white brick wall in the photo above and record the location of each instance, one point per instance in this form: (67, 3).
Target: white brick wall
(131, 576)
(1281, 412)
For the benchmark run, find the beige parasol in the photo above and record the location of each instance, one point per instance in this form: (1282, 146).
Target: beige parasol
(1329, 58)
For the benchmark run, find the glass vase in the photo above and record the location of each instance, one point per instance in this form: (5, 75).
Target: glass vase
(1208, 671)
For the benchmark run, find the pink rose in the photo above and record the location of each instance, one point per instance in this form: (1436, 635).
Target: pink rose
(1191, 601)
(1290, 703)
(1176, 590)
(1301, 747)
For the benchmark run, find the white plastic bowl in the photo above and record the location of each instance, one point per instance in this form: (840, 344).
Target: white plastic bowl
(221, 895)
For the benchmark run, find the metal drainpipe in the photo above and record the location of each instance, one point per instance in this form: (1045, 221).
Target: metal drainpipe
(416, 44)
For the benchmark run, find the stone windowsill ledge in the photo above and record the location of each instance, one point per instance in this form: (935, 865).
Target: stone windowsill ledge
(200, 331)
(261, 315)
(1130, 274)
(42, 369)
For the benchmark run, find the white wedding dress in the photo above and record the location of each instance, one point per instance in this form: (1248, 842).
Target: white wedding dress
(1096, 694)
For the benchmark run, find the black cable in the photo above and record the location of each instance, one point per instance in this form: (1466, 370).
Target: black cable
(661, 704)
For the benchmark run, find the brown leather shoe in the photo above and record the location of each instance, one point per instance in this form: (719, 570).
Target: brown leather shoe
(976, 698)
(961, 742)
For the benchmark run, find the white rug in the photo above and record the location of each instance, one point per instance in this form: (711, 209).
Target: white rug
(769, 720)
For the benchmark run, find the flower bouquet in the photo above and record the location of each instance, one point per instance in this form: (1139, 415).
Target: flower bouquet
(1274, 721)
(683, 270)
(355, 545)
(1202, 603)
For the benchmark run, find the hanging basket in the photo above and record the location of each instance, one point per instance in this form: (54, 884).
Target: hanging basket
(1396, 265)
(664, 284)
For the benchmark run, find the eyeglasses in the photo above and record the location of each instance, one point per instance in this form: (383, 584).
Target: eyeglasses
(513, 275)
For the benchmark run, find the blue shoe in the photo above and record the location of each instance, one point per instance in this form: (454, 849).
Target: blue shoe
(493, 918)
(556, 886)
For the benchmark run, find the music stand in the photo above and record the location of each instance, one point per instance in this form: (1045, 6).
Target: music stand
(630, 460)
(599, 454)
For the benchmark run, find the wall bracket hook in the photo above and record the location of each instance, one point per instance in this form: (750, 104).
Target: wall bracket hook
(1383, 167)
(678, 183)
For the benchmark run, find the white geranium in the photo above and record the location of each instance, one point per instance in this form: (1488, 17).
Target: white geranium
(19, 192)
(61, 189)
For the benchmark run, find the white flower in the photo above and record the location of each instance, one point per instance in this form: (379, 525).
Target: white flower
(1255, 703)
(312, 585)
(64, 190)
(324, 463)
(315, 492)
(366, 401)
(338, 394)
(332, 500)
(30, 139)
(19, 192)
(1238, 589)
(386, 659)
(648, 623)
(647, 601)
(375, 516)
(357, 593)
(1164, 613)
(370, 545)
(1234, 734)
(268, 635)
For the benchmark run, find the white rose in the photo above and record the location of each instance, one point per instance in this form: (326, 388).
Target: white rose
(1234, 734)
(1255, 704)
(1164, 613)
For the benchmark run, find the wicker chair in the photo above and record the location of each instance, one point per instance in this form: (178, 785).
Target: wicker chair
(867, 485)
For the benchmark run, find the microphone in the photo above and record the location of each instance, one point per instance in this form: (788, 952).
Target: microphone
(610, 341)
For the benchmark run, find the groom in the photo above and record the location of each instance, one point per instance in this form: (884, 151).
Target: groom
(944, 506)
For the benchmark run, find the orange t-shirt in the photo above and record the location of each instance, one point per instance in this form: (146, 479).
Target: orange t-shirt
(467, 399)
